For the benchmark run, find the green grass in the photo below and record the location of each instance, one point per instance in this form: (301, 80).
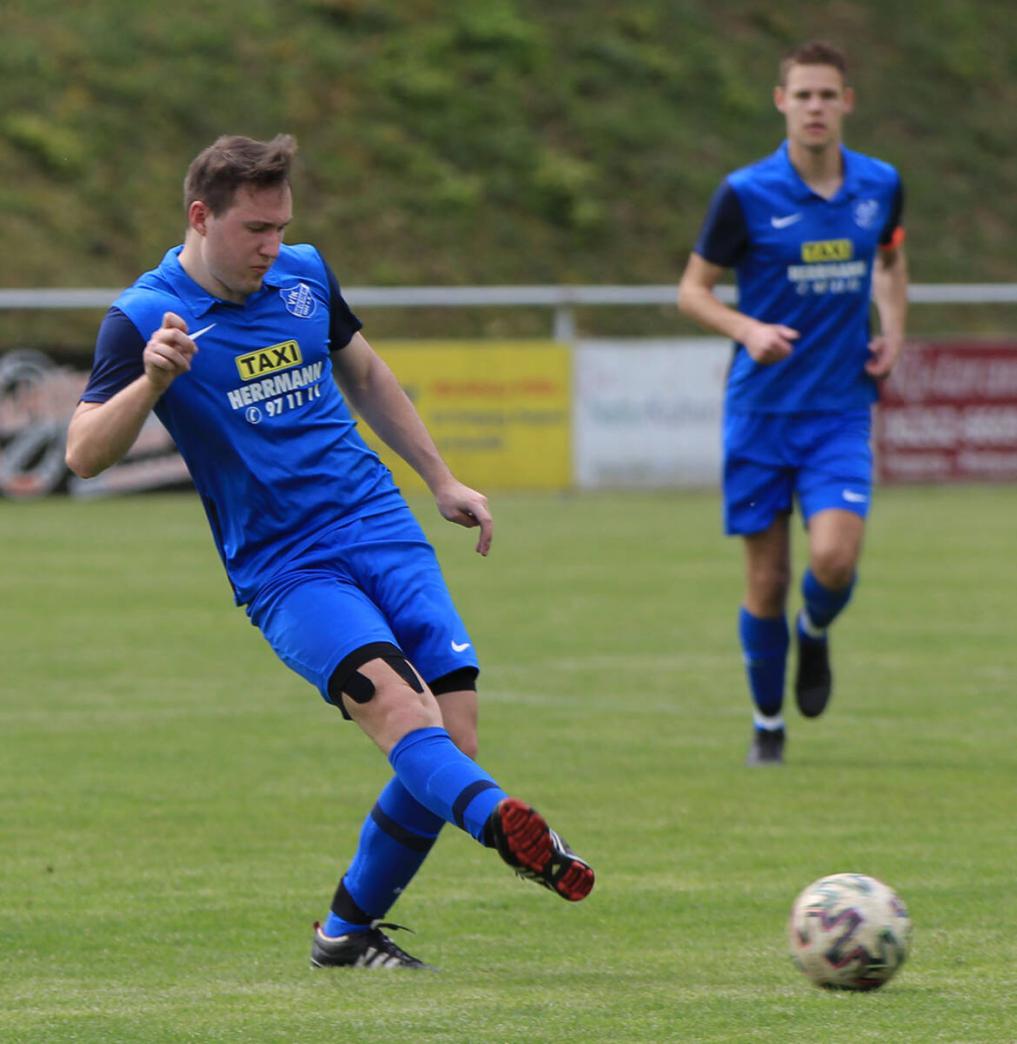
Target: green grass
(175, 806)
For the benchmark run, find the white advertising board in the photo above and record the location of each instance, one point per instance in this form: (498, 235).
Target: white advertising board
(647, 413)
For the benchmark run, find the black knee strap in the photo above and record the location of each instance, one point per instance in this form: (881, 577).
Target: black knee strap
(403, 668)
(347, 680)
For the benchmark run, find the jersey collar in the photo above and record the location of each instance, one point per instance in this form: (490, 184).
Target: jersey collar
(802, 192)
(196, 297)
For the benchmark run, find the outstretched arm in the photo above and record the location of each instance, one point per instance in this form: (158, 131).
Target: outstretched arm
(765, 342)
(373, 391)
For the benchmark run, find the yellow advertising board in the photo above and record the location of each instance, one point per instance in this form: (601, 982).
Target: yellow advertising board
(499, 411)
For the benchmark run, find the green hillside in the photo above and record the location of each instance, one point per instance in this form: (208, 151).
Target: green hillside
(492, 141)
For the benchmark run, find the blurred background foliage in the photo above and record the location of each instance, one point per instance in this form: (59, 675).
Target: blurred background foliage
(481, 141)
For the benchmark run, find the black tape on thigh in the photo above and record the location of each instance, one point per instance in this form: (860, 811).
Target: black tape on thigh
(402, 667)
(344, 677)
(347, 680)
(359, 688)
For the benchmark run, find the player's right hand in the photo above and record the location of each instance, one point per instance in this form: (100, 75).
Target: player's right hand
(768, 343)
(466, 507)
(169, 352)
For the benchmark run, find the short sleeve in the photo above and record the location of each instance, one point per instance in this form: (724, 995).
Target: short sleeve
(118, 357)
(890, 234)
(342, 324)
(724, 237)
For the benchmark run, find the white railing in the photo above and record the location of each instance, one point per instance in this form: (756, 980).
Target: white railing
(562, 300)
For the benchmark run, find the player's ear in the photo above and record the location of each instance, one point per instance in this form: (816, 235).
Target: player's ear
(778, 98)
(849, 99)
(198, 214)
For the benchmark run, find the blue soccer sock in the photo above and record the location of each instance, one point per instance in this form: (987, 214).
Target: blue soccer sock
(444, 780)
(822, 605)
(394, 841)
(765, 642)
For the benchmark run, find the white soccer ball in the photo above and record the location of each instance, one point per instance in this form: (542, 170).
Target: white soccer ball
(849, 932)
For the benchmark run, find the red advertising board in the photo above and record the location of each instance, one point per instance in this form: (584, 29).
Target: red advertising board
(948, 413)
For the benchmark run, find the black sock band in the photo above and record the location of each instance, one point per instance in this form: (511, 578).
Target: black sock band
(462, 803)
(398, 832)
(343, 906)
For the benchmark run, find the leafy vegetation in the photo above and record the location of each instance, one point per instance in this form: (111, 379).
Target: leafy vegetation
(508, 141)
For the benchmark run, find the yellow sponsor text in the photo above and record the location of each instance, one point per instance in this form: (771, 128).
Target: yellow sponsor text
(268, 360)
(828, 250)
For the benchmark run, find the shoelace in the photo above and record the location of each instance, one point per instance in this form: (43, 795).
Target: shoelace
(383, 942)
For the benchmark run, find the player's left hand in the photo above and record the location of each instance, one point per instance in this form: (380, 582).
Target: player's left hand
(883, 351)
(466, 507)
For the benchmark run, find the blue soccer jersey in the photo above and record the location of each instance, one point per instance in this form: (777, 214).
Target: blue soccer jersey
(270, 443)
(806, 262)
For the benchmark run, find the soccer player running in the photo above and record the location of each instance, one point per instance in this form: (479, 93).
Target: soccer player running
(814, 233)
(316, 539)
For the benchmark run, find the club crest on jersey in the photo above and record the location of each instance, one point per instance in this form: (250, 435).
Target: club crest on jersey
(299, 300)
(827, 250)
(866, 213)
(268, 360)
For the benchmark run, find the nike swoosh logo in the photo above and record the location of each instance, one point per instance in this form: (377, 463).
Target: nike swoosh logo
(788, 219)
(460, 646)
(204, 330)
(852, 497)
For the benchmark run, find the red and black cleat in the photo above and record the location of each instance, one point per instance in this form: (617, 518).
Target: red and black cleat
(525, 841)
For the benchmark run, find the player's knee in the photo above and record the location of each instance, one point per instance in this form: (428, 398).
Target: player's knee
(834, 567)
(456, 693)
(465, 738)
(396, 718)
(392, 709)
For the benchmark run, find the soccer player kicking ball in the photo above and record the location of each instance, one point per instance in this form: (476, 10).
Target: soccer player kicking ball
(317, 542)
(813, 232)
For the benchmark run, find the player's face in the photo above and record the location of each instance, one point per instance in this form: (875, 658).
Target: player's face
(241, 243)
(814, 102)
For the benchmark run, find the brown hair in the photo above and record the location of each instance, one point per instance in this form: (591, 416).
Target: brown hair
(217, 172)
(814, 52)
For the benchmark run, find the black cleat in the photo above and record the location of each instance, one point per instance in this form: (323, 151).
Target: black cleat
(370, 949)
(767, 747)
(813, 681)
(536, 852)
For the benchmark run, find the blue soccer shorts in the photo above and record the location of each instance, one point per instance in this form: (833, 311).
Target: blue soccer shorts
(375, 579)
(820, 460)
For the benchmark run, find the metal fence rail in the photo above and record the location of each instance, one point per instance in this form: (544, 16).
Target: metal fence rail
(562, 300)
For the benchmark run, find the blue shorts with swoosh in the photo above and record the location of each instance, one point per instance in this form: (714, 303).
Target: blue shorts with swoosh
(376, 579)
(822, 460)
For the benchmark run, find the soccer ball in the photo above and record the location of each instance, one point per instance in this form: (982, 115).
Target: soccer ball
(849, 932)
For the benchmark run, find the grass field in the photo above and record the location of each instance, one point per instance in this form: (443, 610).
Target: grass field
(175, 806)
